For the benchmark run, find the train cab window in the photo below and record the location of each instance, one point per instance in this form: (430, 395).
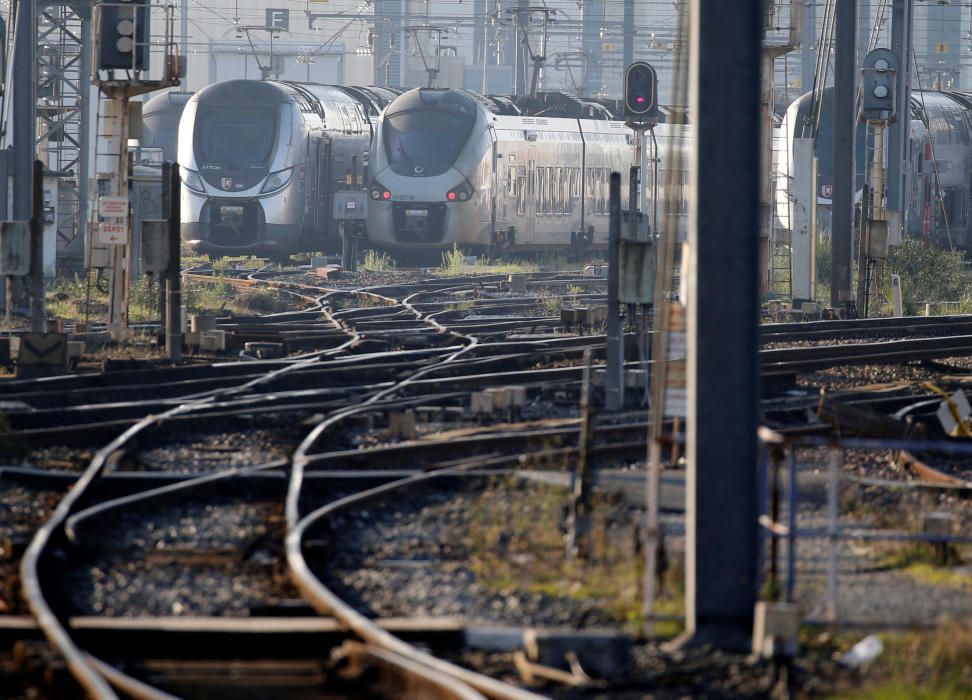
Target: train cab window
(427, 139)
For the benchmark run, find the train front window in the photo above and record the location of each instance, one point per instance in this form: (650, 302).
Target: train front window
(239, 136)
(426, 142)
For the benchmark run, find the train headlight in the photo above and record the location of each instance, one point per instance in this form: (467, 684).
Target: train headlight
(277, 180)
(460, 192)
(379, 191)
(191, 179)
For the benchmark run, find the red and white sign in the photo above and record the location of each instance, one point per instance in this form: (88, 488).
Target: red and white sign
(113, 207)
(826, 191)
(227, 182)
(112, 234)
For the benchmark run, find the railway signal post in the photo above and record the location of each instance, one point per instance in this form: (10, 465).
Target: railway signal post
(121, 71)
(878, 109)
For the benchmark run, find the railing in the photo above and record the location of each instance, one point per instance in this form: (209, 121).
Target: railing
(809, 497)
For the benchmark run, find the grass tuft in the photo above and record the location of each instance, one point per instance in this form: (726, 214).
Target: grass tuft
(377, 262)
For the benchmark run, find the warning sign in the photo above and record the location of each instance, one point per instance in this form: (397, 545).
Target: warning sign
(41, 354)
(113, 207)
(112, 234)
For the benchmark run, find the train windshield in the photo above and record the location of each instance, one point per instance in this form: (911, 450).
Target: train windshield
(422, 142)
(238, 136)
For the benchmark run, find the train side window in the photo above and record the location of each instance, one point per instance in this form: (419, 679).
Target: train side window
(589, 189)
(541, 189)
(567, 187)
(599, 206)
(521, 190)
(554, 190)
(544, 191)
(511, 181)
(558, 190)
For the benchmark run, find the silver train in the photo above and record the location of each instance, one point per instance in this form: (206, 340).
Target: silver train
(450, 167)
(939, 187)
(261, 160)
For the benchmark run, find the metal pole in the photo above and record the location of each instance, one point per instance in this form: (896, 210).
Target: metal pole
(118, 301)
(901, 13)
(583, 484)
(84, 150)
(38, 322)
(792, 494)
(845, 131)
(614, 381)
(629, 28)
(24, 106)
(173, 290)
(808, 47)
(722, 372)
(184, 49)
(593, 18)
(832, 532)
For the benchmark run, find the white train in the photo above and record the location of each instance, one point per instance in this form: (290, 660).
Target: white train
(450, 167)
(261, 161)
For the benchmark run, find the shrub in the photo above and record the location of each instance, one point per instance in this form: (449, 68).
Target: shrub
(927, 273)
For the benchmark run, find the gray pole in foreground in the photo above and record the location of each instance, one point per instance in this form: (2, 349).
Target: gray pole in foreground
(845, 131)
(901, 13)
(723, 311)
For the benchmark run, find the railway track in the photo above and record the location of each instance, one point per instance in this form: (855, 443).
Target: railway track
(264, 456)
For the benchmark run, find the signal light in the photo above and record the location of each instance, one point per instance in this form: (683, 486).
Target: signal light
(123, 35)
(462, 192)
(386, 194)
(640, 91)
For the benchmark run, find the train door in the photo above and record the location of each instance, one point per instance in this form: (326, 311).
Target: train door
(530, 197)
(323, 187)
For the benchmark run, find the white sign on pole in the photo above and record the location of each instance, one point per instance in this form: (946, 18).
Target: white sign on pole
(112, 234)
(113, 206)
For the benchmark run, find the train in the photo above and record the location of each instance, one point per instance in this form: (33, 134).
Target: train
(451, 168)
(939, 186)
(261, 161)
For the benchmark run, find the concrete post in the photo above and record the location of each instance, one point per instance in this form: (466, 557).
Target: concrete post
(845, 132)
(722, 371)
